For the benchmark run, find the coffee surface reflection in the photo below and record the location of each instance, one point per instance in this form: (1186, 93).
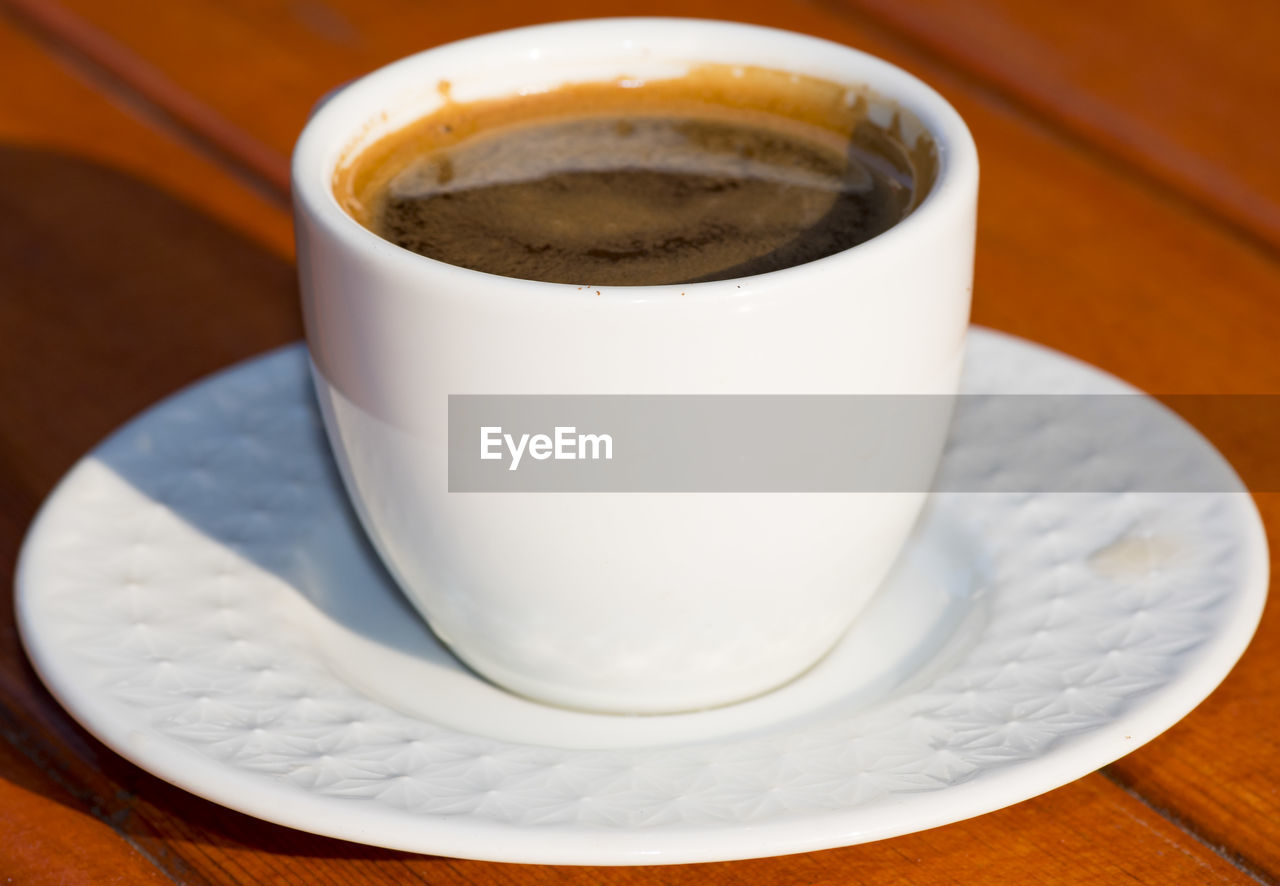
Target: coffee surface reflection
(721, 174)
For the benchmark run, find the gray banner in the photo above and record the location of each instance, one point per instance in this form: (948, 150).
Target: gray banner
(714, 443)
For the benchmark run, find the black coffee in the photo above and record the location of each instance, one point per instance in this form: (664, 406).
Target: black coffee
(602, 192)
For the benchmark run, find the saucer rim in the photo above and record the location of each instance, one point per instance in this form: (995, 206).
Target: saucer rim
(285, 803)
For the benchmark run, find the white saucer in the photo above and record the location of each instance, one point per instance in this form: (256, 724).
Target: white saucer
(197, 594)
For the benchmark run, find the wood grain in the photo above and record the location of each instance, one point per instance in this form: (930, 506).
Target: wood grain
(1216, 770)
(120, 290)
(1178, 89)
(50, 838)
(115, 292)
(137, 259)
(1073, 251)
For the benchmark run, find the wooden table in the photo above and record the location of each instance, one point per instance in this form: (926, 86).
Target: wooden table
(1130, 215)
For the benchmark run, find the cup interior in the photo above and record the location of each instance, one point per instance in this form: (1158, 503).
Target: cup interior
(545, 57)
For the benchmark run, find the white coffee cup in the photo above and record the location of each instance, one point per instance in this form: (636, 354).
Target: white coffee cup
(623, 602)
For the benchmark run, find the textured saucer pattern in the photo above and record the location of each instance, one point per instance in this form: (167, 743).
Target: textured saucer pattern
(158, 597)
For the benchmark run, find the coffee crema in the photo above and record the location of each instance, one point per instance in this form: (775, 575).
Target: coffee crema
(722, 173)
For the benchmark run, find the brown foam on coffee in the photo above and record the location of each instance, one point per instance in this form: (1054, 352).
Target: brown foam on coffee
(722, 173)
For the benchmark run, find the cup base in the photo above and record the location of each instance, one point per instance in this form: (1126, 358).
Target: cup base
(927, 610)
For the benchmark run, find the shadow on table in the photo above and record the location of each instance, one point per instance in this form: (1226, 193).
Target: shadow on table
(123, 294)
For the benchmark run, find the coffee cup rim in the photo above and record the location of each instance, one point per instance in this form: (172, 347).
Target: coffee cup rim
(339, 119)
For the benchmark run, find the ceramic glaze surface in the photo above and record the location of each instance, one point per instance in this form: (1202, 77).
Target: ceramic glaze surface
(579, 609)
(199, 597)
